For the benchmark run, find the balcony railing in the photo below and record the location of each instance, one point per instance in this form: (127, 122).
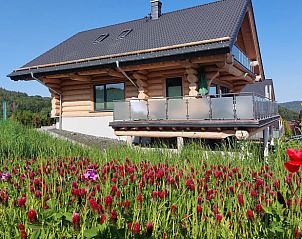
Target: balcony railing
(242, 58)
(226, 107)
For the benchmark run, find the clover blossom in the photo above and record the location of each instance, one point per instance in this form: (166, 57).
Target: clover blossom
(5, 176)
(91, 174)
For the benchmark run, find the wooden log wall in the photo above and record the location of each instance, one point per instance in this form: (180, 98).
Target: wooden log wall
(157, 80)
(186, 85)
(54, 84)
(156, 87)
(130, 90)
(77, 98)
(78, 91)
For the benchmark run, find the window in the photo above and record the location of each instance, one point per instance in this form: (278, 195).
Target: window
(174, 87)
(101, 38)
(124, 33)
(213, 90)
(106, 94)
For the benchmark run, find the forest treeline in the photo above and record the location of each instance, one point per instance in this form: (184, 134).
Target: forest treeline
(29, 110)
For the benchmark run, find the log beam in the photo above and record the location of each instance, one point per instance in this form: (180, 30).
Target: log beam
(93, 72)
(115, 74)
(231, 69)
(175, 134)
(76, 77)
(211, 77)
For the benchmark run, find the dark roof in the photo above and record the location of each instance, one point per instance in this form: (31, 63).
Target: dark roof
(259, 87)
(209, 21)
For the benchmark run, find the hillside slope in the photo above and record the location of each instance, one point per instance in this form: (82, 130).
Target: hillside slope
(293, 105)
(29, 110)
(17, 101)
(287, 114)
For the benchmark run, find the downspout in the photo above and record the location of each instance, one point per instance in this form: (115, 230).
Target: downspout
(125, 74)
(54, 91)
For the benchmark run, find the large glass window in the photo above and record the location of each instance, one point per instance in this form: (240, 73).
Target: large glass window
(174, 87)
(106, 94)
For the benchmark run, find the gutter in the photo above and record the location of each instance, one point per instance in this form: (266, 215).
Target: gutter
(125, 74)
(54, 91)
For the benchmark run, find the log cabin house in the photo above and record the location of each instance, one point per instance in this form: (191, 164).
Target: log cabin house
(177, 74)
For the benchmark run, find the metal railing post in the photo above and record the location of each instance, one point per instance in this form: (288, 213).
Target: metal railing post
(114, 112)
(187, 103)
(130, 116)
(148, 110)
(210, 110)
(234, 107)
(167, 109)
(254, 107)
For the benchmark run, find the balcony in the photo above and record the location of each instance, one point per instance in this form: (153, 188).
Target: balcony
(224, 111)
(203, 117)
(242, 59)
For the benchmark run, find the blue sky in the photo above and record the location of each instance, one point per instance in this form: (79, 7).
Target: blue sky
(29, 28)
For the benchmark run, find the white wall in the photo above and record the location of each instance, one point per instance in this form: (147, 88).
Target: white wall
(96, 126)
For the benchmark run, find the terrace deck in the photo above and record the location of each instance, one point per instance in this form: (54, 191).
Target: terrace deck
(194, 124)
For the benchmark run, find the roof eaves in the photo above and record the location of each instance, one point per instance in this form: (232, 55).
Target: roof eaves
(130, 60)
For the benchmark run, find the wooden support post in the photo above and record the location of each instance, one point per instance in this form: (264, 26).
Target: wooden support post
(129, 140)
(265, 142)
(192, 77)
(180, 143)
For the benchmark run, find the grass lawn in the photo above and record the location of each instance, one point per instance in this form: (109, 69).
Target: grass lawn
(51, 188)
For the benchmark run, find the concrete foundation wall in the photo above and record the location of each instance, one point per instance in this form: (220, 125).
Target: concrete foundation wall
(96, 126)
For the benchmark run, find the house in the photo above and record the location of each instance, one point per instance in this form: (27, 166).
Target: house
(262, 88)
(176, 74)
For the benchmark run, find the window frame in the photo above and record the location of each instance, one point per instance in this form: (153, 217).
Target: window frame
(167, 86)
(124, 34)
(105, 95)
(101, 38)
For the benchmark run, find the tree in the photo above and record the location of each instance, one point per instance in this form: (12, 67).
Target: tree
(29, 110)
(287, 129)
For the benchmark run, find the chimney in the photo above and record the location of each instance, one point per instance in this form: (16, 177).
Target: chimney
(155, 9)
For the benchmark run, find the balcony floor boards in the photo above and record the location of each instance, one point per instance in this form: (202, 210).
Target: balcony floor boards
(226, 124)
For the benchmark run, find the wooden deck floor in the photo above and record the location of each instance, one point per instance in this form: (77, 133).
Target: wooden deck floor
(225, 124)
